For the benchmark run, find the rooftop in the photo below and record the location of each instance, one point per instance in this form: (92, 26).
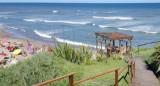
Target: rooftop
(113, 35)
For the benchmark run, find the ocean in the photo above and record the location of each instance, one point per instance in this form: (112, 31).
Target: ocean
(77, 23)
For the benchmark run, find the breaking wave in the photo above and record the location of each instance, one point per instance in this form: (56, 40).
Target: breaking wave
(118, 18)
(60, 21)
(45, 35)
(133, 30)
(54, 11)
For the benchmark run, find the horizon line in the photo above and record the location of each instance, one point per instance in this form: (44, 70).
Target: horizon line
(89, 2)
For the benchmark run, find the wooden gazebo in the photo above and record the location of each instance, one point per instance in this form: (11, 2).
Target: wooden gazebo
(112, 36)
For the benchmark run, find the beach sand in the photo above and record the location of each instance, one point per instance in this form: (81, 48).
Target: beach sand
(5, 35)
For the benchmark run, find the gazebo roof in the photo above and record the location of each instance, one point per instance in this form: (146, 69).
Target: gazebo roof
(113, 35)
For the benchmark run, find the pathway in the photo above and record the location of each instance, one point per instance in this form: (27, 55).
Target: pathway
(144, 77)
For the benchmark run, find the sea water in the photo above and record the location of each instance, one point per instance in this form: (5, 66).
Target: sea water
(77, 23)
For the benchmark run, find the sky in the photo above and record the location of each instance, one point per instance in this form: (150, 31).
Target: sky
(85, 1)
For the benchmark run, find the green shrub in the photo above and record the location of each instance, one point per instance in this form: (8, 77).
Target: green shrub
(116, 56)
(101, 58)
(153, 61)
(40, 68)
(82, 55)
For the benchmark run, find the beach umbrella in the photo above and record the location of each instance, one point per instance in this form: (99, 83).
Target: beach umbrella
(17, 51)
(5, 40)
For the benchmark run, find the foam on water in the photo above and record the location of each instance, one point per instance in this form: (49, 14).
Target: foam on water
(3, 17)
(118, 18)
(60, 21)
(106, 26)
(55, 11)
(45, 35)
(128, 29)
(104, 12)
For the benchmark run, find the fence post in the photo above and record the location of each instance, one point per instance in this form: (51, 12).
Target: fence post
(131, 72)
(71, 80)
(134, 68)
(116, 77)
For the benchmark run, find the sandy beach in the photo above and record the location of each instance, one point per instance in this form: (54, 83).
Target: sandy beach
(6, 35)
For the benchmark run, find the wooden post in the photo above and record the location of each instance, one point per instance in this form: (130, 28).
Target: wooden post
(71, 80)
(96, 43)
(116, 77)
(110, 48)
(119, 44)
(134, 68)
(126, 47)
(131, 72)
(131, 45)
(101, 46)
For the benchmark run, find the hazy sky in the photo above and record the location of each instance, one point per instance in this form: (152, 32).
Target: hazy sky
(86, 1)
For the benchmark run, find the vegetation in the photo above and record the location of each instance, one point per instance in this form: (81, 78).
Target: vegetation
(46, 66)
(83, 55)
(143, 51)
(153, 61)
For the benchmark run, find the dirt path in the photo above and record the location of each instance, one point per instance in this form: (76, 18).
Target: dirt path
(144, 77)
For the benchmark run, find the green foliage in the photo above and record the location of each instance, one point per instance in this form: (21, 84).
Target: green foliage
(101, 58)
(143, 51)
(83, 55)
(46, 66)
(40, 68)
(154, 61)
(116, 56)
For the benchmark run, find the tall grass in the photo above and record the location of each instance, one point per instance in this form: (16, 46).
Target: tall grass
(82, 55)
(40, 68)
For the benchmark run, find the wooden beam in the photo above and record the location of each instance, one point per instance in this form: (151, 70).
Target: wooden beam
(116, 77)
(110, 48)
(119, 44)
(131, 45)
(101, 46)
(126, 47)
(96, 43)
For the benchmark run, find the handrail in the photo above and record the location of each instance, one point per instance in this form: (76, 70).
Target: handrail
(95, 76)
(147, 44)
(125, 67)
(131, 64)
(49, 81)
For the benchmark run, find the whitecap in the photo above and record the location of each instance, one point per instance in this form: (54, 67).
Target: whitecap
(42, 34)
(118, 18)
(105, 26)
(60, 21)
(55, 11)
(62, 40)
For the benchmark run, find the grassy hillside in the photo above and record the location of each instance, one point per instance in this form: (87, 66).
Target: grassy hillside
(46, 66)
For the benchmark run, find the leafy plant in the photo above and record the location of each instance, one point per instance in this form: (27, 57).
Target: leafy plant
(101, 58)
(82, 55)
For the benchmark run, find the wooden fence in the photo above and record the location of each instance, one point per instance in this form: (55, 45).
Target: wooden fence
(131, 65)
(147, 44)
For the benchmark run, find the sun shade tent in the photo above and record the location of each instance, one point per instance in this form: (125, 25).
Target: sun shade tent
(112, 36)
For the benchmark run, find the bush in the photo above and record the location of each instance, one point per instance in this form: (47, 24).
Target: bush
(153, 61)
(101, 58)
(82, 55)
(116, 56)
(40, 68)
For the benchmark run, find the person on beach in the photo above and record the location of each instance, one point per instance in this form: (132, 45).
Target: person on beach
(122, 52)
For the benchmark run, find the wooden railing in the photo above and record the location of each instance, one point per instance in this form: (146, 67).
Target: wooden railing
(49, 81)
(130, 64)
(147, 44)
(116, 77)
